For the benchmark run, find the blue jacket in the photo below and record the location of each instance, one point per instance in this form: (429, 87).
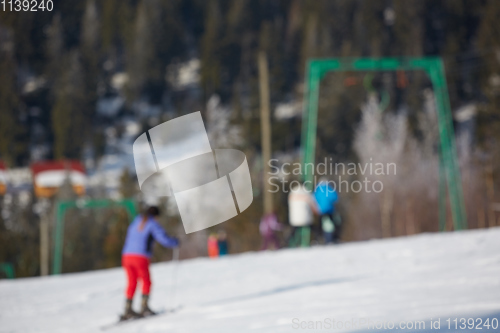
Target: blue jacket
(140, 242)
(325, 197)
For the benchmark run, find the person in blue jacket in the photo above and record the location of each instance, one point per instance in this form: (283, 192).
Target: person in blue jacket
(326, 198)
(141, 235)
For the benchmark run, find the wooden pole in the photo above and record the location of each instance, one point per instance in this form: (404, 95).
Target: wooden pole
(265, 125)
(386, 203)
(44, 238)
(44, 246)
(490, 192)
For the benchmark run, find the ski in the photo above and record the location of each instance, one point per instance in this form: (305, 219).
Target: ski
(157, 314)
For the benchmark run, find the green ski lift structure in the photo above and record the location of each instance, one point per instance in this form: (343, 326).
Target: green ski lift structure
(8, 269)
(449, 171)
(61, 208)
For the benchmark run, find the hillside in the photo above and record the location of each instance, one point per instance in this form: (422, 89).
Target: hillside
(427, 276)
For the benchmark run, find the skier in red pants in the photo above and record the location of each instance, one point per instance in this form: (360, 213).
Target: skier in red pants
(141, 234)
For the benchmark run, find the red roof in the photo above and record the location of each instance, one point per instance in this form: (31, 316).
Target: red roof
(57, 165)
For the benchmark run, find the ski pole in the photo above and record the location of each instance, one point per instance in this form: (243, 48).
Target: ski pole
(175, 259)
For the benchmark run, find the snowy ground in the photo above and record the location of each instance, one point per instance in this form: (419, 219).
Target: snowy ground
(414, 278)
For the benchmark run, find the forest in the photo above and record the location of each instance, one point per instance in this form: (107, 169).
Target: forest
(73, 79)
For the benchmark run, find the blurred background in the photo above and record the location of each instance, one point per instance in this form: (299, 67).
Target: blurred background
(81, 82)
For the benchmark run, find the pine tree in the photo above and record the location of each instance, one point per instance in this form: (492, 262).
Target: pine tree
(68, 113)
(489, 46)
(9, 97)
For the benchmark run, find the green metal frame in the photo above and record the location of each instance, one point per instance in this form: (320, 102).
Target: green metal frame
(433, 66)
(301, 238)
(8, 268)
(64, 205)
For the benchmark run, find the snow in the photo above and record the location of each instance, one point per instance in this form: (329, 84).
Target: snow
(19, 177)
(184, 75)
(444, 275)
(109, 107)
(55, 178)
(288, 110)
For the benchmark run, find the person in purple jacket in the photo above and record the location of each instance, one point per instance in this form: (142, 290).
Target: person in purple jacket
(141, 235)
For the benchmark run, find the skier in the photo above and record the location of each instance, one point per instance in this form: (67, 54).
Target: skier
(301, 210)
(222, 243)
(326, 198)
(212, 246)
(268, 225)
(141, 234)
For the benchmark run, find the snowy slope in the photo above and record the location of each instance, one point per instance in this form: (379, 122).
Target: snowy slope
(412, 278)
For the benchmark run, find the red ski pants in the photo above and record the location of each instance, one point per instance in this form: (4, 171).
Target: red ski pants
(136, 267)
